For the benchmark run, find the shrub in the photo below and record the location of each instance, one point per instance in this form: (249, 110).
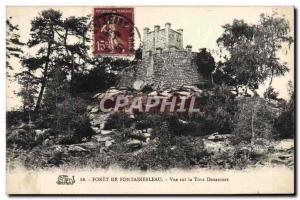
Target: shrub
(270, 93)
(23, 140)
(150, 120)
(285, 123)
(14, 117)
(176, 126)
(193, 148)
(163, 157)
(172, 151)
(166, 154)
(218, 111)
(254, 119)
(71, 121)
(118, 120)
(101, 77)
(205, 63)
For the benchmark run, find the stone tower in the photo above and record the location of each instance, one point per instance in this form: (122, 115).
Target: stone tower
(162, 39)
(165, 63)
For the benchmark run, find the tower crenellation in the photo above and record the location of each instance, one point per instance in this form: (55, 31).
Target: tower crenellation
(164, 38)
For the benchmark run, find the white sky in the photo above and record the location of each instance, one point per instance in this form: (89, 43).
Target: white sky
(202, 26)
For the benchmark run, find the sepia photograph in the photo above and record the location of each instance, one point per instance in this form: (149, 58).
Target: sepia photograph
(150, 100)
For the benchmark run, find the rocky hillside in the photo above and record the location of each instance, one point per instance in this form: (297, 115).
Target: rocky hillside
(151, 141)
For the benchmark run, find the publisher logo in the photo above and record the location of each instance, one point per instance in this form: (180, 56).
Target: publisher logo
(65, 180)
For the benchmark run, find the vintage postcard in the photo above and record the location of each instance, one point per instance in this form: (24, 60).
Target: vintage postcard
(139, 100)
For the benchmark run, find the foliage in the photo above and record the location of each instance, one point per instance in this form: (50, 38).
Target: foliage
(71, 121)
(205, 63)
(285, 123)
(251, 52)
(101, 77)
(118, 120)
(43, 34)
(273, 32)
(58, 90)
(65, 115)
(29, 89)
(175, 126)
(14, 117)
(270, 93)
(48, 37)
(13, 43)
(254, 119)
(138, 54)
(73, 57)
(21, 140)
(162, 153)
(171, 151)
(242, 65)
(217, 113)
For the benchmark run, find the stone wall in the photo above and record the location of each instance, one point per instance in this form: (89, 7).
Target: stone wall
(175, 39)
(154, 40)
(166, 69)
(160, 41)
(174, 69)
(127, 77)
(148, 41)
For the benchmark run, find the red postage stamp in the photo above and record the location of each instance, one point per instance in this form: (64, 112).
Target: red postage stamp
(114, 31)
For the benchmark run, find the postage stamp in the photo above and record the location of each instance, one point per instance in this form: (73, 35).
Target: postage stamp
(114, 31)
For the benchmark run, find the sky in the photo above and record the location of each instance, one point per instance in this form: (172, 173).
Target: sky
(201, 28)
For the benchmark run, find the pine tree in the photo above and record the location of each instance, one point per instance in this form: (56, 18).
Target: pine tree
(44, 30)
(13, 43)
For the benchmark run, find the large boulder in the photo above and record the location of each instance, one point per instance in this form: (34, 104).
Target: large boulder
(76, 148)
(108, 143)
(259, 150)
(100, 138)
(217, 147)
(18, 132)
(217, 137)
(134, 144)
(98, 120)
(284, 145)
(106, 132)
(26, 126)
(112, 92)
(96, 129)
(41, 134)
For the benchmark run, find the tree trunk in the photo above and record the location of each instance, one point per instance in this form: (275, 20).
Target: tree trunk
(271, 78)
(252, 127)
(38, 102)
(44, 81)
(72, 76)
